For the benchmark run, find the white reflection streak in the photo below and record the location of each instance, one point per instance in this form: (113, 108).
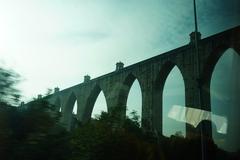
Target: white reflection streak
(195, 116)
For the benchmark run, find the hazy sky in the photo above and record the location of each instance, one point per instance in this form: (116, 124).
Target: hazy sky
(56, 42)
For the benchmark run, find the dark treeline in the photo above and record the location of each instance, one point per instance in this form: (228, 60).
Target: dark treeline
(31, 133)
(35, 133)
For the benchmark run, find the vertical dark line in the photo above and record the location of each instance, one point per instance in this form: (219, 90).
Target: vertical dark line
(195, 16)
(203, 146)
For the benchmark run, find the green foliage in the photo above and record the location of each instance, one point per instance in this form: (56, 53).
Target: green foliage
(109, 136)
(32, 133)
(8, 92)
(179, 134)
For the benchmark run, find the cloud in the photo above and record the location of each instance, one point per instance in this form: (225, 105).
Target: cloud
(83, 37)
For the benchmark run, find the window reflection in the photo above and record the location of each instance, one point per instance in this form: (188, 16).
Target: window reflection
(194, 116)
(224, 90)
(173, 93)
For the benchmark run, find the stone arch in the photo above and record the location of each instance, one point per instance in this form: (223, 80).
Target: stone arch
(125, 89)
(163, 74)
(158, 87)
(210, 64)
(91, 101)
(133, 94)
(223, 94)
(208, 69)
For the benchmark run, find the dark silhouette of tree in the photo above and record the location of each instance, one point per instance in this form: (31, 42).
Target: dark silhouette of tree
(8, 92)
(32, 133)
(110, 137)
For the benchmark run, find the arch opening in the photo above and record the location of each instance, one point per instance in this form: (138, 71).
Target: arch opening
(96, 103)
(100, 105)
(74, 111)
(173, 97)
(224, 91)
(134, 101)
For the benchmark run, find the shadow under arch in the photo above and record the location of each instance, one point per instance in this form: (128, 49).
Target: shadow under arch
(91, 101)
(68, 118)
(159, 84)
(58, 105)
(207, 72)
(125, 89)
(70, 103)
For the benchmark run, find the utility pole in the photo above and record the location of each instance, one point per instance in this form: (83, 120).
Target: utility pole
(203, 145)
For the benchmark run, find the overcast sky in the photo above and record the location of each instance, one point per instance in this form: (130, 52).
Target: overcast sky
(55, 43)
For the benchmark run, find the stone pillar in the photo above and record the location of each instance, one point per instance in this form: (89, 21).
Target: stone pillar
(87, 78)
(56, 89)
(117, 99)
(82, 108)
(22, 104)
(66, 117)
(119, 66)
(151, 102)
(151, 109)
(67, 109)
(39, 96)
(192, 37)
(197, 93)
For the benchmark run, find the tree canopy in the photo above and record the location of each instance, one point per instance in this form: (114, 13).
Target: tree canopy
(8, 92)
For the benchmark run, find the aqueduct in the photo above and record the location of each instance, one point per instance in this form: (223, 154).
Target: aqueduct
(151, 74)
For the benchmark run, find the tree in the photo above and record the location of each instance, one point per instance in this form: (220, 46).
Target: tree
(40, 135)
(32, 133)
(110, 137)
(8, 92)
